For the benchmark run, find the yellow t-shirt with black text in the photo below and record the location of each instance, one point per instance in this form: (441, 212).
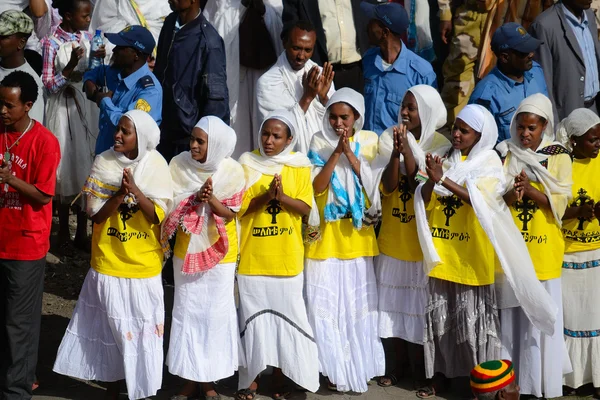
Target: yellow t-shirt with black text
(271, 238)
(340, 239)
(127, 245)
(539, 228)
(467, 254)
(583, 234)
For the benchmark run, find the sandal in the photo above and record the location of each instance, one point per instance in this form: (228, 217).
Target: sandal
(284, 394)
(331, 386)
(245, 394)
(391, 377)
(426, 392)
(569, 391)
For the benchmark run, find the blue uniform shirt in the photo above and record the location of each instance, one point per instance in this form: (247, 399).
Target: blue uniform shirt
(140, 90)
(502, 95)
(385, 88)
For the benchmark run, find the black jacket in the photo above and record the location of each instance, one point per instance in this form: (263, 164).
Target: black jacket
(190, 65)
(308, 10)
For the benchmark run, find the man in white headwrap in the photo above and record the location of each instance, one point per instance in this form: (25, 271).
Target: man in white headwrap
(296, 83)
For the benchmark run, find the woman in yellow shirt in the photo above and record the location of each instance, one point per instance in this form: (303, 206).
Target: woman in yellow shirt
(401, 280)
(538, 178)
(468, 233)
(580, 133)
(207, 188)
(273, 321)
(116, 331)
(341, 290)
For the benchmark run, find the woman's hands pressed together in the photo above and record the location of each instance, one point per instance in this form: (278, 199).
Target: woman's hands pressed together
(434, 168)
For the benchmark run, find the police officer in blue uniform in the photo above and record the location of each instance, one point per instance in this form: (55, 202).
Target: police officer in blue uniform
(127, 84)
(515, 76)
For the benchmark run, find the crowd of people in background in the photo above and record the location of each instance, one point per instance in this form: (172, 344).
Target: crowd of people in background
(415, 173)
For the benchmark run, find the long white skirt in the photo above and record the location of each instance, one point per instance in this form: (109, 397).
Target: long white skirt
(204, 334)
(402, 289)
(342, 309)
(540, 360)
(581, 302)
(116, 333)
(74, 122)
(275, 330)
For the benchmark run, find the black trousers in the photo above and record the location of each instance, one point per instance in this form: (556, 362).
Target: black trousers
(21, 290)
(349, 75)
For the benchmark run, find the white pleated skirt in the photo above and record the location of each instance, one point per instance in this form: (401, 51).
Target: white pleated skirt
(581, 302)
(540, 360)
(402, 290)
(275, 331)
(342, 308)
(204, 338)
(116, 333)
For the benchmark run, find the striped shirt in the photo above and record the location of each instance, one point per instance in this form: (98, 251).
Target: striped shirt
(54, 80)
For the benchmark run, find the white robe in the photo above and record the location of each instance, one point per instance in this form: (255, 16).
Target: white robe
(281, 87)
(225, 16)
(112, 16)
(244, 122)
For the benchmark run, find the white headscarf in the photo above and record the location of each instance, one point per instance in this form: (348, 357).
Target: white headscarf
(346, 189)
(188, 174)
(270, 165)
(433, 116)
(209, 242)
(150, 170)
(260, 164)
(495, 219)
(557, 191)
(577, 123)
(148, 135)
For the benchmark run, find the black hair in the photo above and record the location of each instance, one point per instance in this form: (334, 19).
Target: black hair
(300, 24)
(66, 6)
(23, 81)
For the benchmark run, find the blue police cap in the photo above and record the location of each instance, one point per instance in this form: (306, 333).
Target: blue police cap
(514, 36)
(135, 36)
(392, 15)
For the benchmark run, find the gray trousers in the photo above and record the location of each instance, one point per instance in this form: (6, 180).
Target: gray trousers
(21, 290)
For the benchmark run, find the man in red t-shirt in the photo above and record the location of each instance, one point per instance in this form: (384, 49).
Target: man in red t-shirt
(29, 155)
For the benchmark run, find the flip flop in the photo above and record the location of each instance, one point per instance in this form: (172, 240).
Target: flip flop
(245, 394)
(426, 392)
(393, 380)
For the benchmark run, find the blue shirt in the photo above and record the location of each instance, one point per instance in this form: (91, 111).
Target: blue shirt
(140, 90)
(586, 44)
(385, 88)
(502, 95)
